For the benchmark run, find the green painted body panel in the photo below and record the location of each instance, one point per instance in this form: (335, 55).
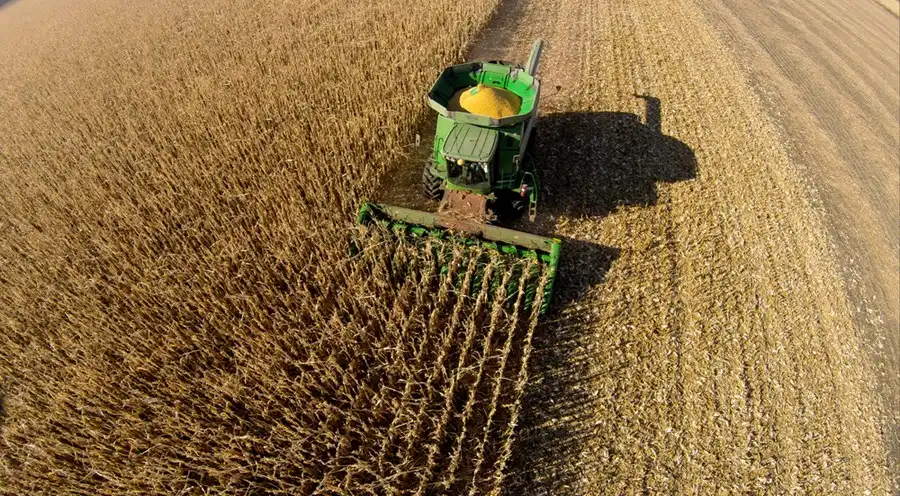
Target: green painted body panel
(442, 129)
(471, 143)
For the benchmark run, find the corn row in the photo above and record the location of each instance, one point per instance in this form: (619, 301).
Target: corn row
(450, 390)
(430, 274)
(442, 295)
(515, 405)
(443, 353)
(498, 379)
(456, 457)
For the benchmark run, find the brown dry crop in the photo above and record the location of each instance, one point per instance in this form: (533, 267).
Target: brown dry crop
(180, 312)
(893, 6)
(179, 307)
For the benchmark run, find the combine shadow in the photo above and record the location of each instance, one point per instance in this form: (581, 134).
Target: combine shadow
(592, 164)
(595, 162)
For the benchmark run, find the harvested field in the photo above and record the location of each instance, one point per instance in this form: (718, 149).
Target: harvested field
(705, 342)
(181, 314)
(842, 86)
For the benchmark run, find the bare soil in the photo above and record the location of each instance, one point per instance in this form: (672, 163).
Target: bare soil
(828, 73)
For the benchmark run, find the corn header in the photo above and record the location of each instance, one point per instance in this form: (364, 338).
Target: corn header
(481, 167)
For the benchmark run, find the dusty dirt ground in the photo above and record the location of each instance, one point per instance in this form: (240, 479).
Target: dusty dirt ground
(829, 74)
(704, 340)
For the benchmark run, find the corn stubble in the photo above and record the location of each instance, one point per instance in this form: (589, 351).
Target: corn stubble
(180, 311)
(718, 354)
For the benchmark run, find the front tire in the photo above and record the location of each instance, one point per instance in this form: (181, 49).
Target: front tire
(432, 185)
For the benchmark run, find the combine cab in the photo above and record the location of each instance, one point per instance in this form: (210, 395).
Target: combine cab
(481, 166)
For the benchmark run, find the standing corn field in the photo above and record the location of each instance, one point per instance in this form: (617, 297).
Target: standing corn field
(179, 307)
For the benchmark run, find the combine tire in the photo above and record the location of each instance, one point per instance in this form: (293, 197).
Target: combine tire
(432, 185)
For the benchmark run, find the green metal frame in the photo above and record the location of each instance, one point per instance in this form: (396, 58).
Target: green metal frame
(418, 225)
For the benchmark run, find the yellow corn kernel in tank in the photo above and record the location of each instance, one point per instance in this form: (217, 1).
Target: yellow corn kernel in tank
(486, 100)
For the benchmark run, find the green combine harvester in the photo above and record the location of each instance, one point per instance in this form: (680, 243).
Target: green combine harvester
(481, 168)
